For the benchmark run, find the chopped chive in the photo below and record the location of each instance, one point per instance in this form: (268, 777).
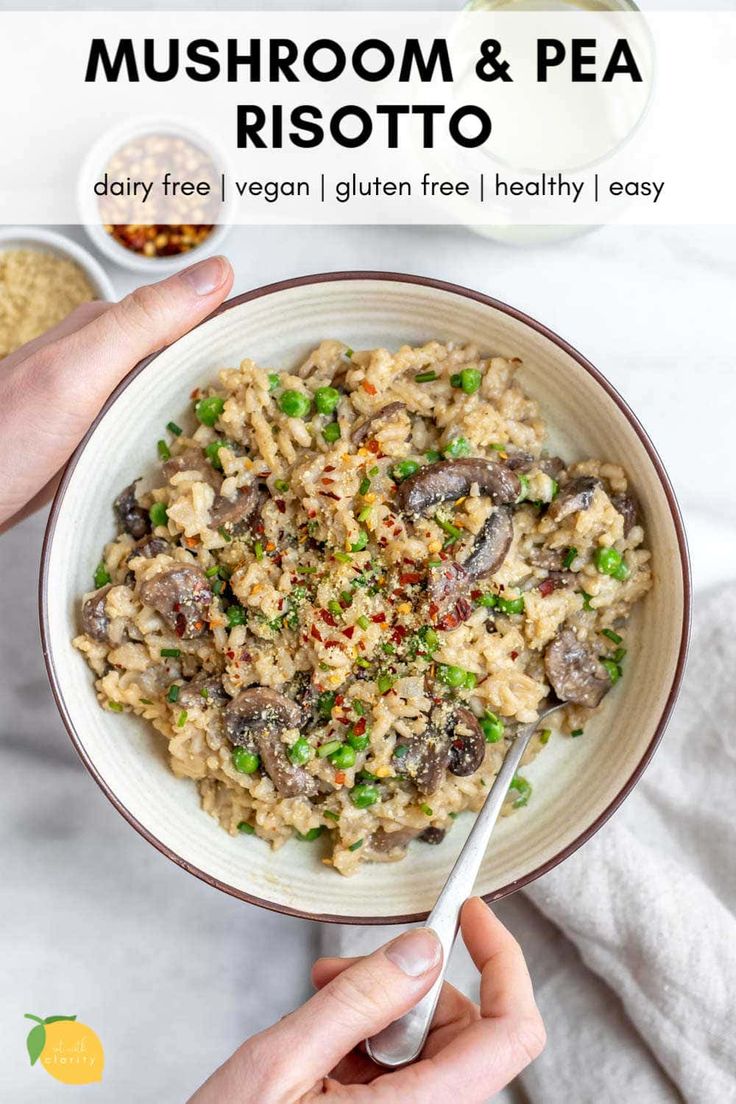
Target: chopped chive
(145, 701)
(349, 353)
(217, 586)
(274, 381)
(452, 531)
(171, 653)
(334, 607)
(426, 809)
(365, 485)
(281, 485)
(325, 704)
(342, 557)
(158, 514)
(577, 732)
(374, 471)
(224, 534)
(306, 570)
(173, 694)
(101, 576)
(181, 720)
(544, 736)
(174, 428)
(587, 598)
(356, 845)
(453, 816)
(328, 748)
(258, 549)
(498, 447)
(569, 557)
(619, 654)
(359, 707)
(363, 622)
(385, 683)
(401, 751)
(433, 456)
(246, 828)
(236, 615)
(612, 636)
(212, 571)
(311, 835)
(360, 662)
(115, 706)
(524, 789)
(425, 377)
(163, 450)
(331, 814)
(365, 513)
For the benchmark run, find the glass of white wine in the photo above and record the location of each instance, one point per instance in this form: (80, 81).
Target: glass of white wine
(606, 125)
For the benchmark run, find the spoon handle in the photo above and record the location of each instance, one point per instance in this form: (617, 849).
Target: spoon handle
(402, 1040)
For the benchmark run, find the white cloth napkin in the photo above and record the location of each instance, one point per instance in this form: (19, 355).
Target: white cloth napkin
(632, 941)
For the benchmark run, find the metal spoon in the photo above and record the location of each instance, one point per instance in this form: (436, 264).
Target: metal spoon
(402, 1041)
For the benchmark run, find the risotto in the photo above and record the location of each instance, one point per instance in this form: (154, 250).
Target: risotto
(344, 587)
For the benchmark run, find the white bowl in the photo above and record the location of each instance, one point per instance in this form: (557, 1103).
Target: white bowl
(32, 237)
(95, 162)
(577, 783)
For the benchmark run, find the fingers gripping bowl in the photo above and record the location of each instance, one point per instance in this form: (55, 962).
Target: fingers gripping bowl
(435, 612)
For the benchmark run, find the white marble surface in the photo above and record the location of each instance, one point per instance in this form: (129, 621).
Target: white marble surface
(94, 921)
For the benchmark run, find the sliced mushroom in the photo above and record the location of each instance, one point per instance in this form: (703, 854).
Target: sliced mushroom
(627, 506)
(574, 496)
(259, 709)
(433, 836)
(448, 480)
(385, 843)
(132, 516)
(549, 559)
(525, 462)
(492, 544)
(425, 761)
(192, 459)
(236, 515)
(182, 596)
(95, 622)
(467, 745)
(371, 425)
(202, 692)
(150, 548)
(574, 671)
(290, 781)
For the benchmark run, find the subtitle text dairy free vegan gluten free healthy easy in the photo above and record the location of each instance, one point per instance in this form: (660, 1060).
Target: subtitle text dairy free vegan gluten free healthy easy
(345, 587)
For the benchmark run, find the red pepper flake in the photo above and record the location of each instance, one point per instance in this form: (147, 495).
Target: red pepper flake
(314, 631)
(359, 726)
(378, 617)
(180, 625)
(328, 618)
(280, 505)
(459, 613)
(339, 777)
(407, 578)
(474, 594)
(514, 655)
(398, 634)
(327, 481)
(311, 513)
(373, 446)
(433, 608)
(368, 387)
(230, 653)
(333, 644)
(348, 632)
(339, 699)
(329, 468)
(263, 475)
(329, 494)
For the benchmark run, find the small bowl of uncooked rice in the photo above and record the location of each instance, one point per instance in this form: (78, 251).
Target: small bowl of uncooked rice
(43, 278)
(331, 584)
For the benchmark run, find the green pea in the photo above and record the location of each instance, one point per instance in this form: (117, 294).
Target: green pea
(101, 576)
(488, 601)
(274, 381)
(360, 743)
(607, 560)
(451, 676)
(360, 543)
(326, 399)
(433, 456)
(511, 605)
(364, 795)
(469, 380)
(622, 572)
(300, 752)
(492, 727)
(311, 835)
(332, 432)
(158, 514)
(295, 404)
(208, 410)
(404, 469)
(212, 450)
(245, 761)
(343, 757)
(459, 446)
(236, 615)
(470, 681)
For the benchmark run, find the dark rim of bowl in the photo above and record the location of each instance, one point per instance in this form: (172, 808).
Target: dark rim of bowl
(487, 300)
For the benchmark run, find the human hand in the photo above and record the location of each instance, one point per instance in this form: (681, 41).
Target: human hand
(470, 1054)
(52, 389)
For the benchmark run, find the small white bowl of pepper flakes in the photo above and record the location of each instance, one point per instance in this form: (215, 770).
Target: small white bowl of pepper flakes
(149, 195)
(43, 277)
